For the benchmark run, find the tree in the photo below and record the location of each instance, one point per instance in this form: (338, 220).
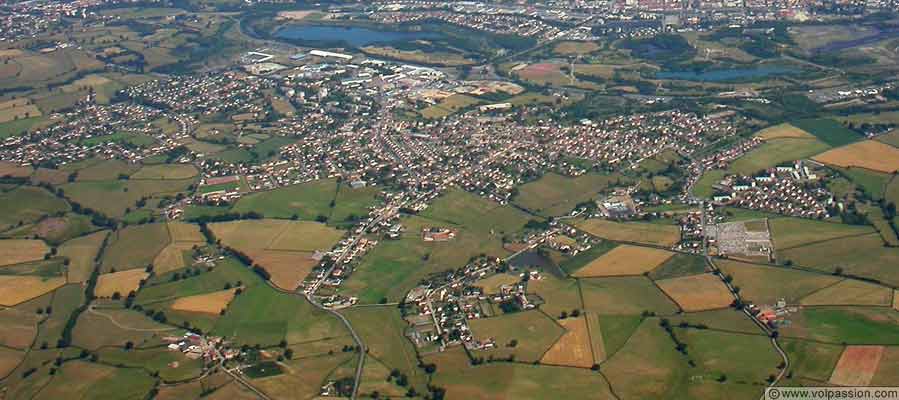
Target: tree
(129, 345)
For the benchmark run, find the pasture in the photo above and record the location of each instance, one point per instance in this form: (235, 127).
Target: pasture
(868, 154)
(559, 294)
(115, 197)
(864, 256)
(679, 265)
(306, 200)
(227, 272)
(697, 292)
(18, 328)
(555, 195)
(166, 171)
(82, 252)
(624, 296)
(828, 131)
(625, 260)
(850, 292)
(382, 330)
(135, 247)
(524, 336)
(810, 360)
(788, 233)
(776, 151)
(28, 204)
(845, 324)
(766, 285)
(647, 366)
(634, 232)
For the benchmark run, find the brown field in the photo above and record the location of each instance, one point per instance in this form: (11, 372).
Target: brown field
(15, 289)
(11, 53)
(51, 176)
(16, 113)
(287, 268)
(17, 328)
(122, 282)
(573, 349)
(81, 253)
(574, 48)
(596, 340)
(783, 131)
(182, 232)
(625, 260)
(850, 292)
(9, 360)
(294, 14)
(15, 251)
(14, 170)
(209, 303)
(896, 300)
(172, 257)
(637, 232)
(868, 154)
(697, 292)
(539, 71)
(857, 366)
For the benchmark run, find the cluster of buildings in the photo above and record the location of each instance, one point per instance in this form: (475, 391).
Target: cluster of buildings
(794, 190)
(195, 346)
(504, 24)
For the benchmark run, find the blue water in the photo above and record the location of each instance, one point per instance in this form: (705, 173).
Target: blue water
(353, 36)
(725, 75)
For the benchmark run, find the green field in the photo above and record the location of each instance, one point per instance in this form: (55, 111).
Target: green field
(810, 360)
(555, 195)
(774, 152)
(382, 329)
(28, 204)
(793, 232)
(228, 271)
(115, 197)
(513, 380)
(525, 335)
(309, 201)
(135, 246)
(624, 296)
(264, 316)
(851, 325)
(873, 183)
(679, 265)
(863, 256)
(394, 267)
(828, 131)
(767, 285)
(569, 265)
(703, 187)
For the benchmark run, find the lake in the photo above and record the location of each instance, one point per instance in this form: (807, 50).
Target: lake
(353, 36)
(725, 75)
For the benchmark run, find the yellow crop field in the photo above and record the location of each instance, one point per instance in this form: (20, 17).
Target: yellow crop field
(697, 292)
(209, 303)
(637, 232)
(869, 154)
(783, 131)
(625, 260)
(573, 348)
(15, 251)
(122, 282)
(15, 289)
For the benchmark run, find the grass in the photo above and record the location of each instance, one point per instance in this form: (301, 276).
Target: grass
(101, 170)
(153, 360)
(558, 294)
(523, 335)
(648, 366)
(306, 200)
(28, 204)
(63, 302)
(81, 253)
(512, 380)
(679, 265)
(19, 127)
(382, 329)
(135, 246)
(811, 360)
(263, 369)
(872, 182)
(851, 325)
(78, 379)
(93, 331)
(228, 271)
(115, 197)
(166, 171)
(636, 232)
(616, 330)
(774, 152)
(303, 378)
(828, 131)
(742, 358)
(624, 296)
(766, 285)
(793, 232)
(449, 106)
(264, 316)
(555, 195)
(704, 186)
(863, 256)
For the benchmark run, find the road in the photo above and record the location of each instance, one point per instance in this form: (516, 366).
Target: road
(736, 294)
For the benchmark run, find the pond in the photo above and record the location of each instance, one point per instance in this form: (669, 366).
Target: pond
(353, 36)
(531, 259)
(726, 75)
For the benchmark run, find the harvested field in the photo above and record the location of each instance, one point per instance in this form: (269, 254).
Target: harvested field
(172, 257)
(119, 282)
(210, 303)
(575, 48)
(17, 328)
(9, 360)
(597, 342)
(573, 349)
(783, 131)
(15, 289)
(857, 366)
(14, 170)
(851, 292)
(286, 268)
(661, 235)
(16, 251)
(625, 260)
(697, 292)
(896, 300)
(869, 154)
